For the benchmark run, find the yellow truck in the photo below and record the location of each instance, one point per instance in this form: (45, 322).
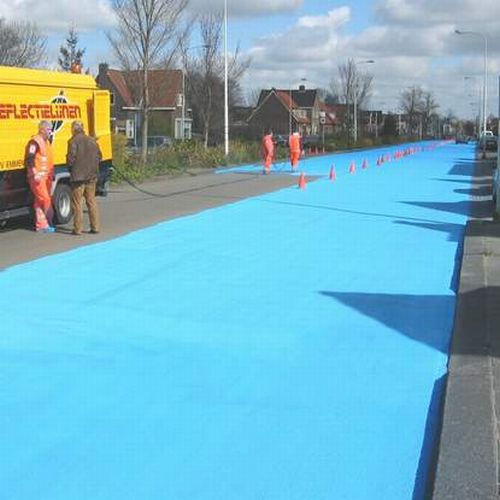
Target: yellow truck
(28, 96)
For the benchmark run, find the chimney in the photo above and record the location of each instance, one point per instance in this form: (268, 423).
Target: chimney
(102, 76)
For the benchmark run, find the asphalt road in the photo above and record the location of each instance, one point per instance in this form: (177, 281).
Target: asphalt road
(126, 209)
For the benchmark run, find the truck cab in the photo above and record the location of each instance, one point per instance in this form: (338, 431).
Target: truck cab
(28, 96)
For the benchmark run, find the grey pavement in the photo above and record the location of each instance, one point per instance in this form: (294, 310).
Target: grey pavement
(125, 209)
(467, 456)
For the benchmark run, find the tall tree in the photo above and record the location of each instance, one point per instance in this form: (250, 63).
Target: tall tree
(71, 55)
(353, 84)
(390, 128)
(205, 81)
(412, 104)
(21, 44)
(147, 36)
(429, 108)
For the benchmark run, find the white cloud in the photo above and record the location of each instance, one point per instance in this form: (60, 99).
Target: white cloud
(412, 43)
(333, 19)
(428, 12)
(58, 15)
(246, 8)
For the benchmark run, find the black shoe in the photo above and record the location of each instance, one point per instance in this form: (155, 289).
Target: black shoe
(93, 231)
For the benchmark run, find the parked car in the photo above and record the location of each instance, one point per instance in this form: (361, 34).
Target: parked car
(487, 133)
(311, 140)
(159, 141)
(280, 140)
(487, 146)
(154, 142)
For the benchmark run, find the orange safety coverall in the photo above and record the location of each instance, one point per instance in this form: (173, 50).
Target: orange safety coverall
(40, 181)
(267, 152)
(294, 145)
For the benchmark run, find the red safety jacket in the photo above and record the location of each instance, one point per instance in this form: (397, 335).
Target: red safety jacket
(294, 143)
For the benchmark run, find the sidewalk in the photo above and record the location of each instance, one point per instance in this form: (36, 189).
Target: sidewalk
(126, 210)
(467, 457)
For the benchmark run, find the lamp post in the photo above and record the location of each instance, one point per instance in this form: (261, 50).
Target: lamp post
(479, 104)
(355, 100)
(226, 98)
(485, 77)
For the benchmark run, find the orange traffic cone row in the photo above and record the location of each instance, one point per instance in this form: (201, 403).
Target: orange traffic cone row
(333, 174)
(302, 181)
(352, 168)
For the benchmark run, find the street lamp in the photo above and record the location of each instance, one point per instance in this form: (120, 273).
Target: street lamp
(485, 77)
(226, 98)
(478, 96)
(355, 100)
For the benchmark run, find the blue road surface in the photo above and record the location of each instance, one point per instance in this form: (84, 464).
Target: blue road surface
(291, 346)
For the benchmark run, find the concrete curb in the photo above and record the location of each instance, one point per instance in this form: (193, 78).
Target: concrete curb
(467, 458)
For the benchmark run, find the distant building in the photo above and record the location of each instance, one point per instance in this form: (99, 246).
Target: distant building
(332, 118)
(166, 98)
(285, 109)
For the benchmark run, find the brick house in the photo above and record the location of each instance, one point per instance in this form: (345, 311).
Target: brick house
(282, 109)
(166, 96)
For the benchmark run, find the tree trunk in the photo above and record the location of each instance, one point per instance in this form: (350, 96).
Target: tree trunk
(206, 136)
(145, 116)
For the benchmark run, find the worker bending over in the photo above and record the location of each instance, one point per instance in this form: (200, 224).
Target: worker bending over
(268, 150)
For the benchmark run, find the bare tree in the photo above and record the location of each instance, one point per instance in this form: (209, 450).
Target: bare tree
(148, 35)
(429, 108)
(353, 84)
(21, 44)
(253, 95)
(412, 103)
(205, 81)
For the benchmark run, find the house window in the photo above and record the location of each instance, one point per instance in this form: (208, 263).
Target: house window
(187, 128)
(112, 98)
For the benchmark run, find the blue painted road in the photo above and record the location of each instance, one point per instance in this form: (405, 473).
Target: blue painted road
(290, 346)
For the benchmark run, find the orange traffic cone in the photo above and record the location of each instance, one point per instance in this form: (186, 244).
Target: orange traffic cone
(352, 168)
(365, 163)
(333, 174)
(302, 181)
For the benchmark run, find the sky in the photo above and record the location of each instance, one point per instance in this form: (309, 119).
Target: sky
(411, 41)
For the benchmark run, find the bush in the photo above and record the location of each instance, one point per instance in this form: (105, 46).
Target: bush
(181, 157)
(119, 147)
(365, 142)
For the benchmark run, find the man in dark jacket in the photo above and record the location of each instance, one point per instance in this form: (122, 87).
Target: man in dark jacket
(83, 160)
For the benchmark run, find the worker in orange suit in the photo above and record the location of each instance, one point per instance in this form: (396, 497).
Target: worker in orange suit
(295, 148)
(39, 163)
(268, 150)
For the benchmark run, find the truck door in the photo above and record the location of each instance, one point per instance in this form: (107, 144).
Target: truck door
(101, 115)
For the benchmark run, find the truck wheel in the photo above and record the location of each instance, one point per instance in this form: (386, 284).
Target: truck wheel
(61, 202)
